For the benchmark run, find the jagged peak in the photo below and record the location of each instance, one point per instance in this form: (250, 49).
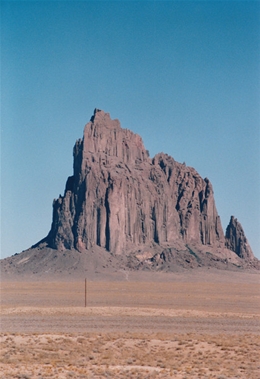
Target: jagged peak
(102, 120)
(98, 113)
(236, 239)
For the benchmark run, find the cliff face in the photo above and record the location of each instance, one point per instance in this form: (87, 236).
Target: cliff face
(120, 199)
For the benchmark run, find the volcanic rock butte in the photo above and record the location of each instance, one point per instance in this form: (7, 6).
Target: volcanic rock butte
(123, 201)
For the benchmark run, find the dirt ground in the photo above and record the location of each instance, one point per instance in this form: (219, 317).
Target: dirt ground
(185, 325)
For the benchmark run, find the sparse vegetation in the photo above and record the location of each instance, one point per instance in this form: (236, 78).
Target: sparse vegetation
(118, 354)
(158, 330)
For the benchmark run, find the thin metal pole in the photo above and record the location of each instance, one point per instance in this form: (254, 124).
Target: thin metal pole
(85, 292)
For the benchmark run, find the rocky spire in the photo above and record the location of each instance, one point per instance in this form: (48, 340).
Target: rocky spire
(237, 241)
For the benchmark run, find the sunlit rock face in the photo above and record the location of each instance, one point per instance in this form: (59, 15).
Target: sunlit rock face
(119, 198)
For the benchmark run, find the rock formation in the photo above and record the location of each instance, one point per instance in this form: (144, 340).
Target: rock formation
(122, 210)
(237, 241)
(122, 200)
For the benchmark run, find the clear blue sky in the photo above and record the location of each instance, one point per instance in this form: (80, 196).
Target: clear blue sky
(184, 75)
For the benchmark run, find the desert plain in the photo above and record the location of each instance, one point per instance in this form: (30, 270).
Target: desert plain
(191, 324)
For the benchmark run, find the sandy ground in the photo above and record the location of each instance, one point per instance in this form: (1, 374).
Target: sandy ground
(176, 326)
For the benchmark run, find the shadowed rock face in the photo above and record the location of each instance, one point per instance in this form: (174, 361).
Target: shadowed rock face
(237, 241)
(118, 198)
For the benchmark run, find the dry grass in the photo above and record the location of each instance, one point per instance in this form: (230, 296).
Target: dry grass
(131, 355)
(191, 294)
(181, 330)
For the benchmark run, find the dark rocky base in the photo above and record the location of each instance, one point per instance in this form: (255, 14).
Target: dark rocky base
(43, 262)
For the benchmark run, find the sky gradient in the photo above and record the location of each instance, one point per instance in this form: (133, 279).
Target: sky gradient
(185, 75)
